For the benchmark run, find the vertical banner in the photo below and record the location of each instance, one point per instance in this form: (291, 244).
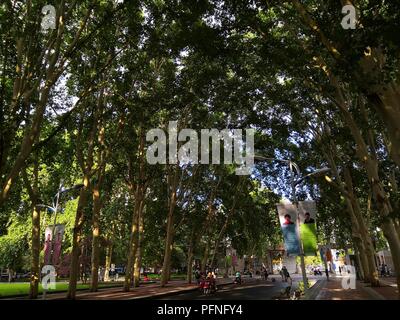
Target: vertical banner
(322, 254)
(58, 239)
(47, 245)
(53, 246)
(308, 228)
(287, 219)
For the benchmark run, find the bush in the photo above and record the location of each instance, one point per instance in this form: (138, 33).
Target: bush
(301, 286)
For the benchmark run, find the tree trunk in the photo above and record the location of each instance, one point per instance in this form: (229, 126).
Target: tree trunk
(139, 196)
(218, 240)
(138, 257)
(367, 248)
(97, 206)
(394, 245)
(109, 251)
(358, 259)
(76, 239)
(95, 239)
(33, 195)
(133, 244)
(168, 245)
(35, 269)
(189, 273)
(172, 181)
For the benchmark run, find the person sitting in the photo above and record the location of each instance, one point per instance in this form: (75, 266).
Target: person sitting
(238, 277)
(211, 279)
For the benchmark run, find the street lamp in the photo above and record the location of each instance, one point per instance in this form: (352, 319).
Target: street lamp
(294, 167)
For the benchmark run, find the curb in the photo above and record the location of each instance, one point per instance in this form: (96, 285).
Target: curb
(314, 290)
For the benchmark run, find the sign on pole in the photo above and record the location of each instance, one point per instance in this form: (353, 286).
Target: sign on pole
(308, 228)
(287, 219)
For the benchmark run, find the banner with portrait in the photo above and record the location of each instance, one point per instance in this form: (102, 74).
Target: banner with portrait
(53, 247)
(287, 220)
(308, 227)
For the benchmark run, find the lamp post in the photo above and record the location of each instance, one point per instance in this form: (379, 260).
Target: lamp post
(294, 167)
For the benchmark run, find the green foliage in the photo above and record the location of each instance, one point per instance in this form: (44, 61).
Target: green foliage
(14, 246)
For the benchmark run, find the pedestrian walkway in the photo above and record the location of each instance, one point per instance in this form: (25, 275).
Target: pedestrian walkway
(142, 292)
(333, 290)
(388, 289)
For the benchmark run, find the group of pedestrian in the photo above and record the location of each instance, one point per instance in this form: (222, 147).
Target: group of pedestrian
(208, 274)
(316, 271)
(384, 270)
(206, 280)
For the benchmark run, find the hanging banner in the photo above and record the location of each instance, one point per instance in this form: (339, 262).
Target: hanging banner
(55, 246)
(323, 251)
(287, 219)
(48, 244)
(308, 228)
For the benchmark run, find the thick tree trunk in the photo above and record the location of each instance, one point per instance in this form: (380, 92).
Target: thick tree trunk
(168, 245)
(133, 244)
(35, 254)
(370, 163)
(172, 180)
(139, 191)
(76, 239)
(97, 206)
(362, 259)
(367, 248)
(138, 257)
(358, 258)
(394, 245)
(137, 266)
(346, 189)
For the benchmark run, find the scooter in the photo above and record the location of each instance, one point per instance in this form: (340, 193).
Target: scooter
(238, 280)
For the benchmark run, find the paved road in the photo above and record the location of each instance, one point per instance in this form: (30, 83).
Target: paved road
(251, 289)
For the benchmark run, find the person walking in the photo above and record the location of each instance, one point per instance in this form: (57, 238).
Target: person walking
(383, 270)
(286, 274)
(281, 274)
(265, 274)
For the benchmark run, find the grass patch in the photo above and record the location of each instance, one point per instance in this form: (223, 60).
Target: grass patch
(22, 288)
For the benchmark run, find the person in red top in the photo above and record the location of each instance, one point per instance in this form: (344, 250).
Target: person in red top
(288, 219)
